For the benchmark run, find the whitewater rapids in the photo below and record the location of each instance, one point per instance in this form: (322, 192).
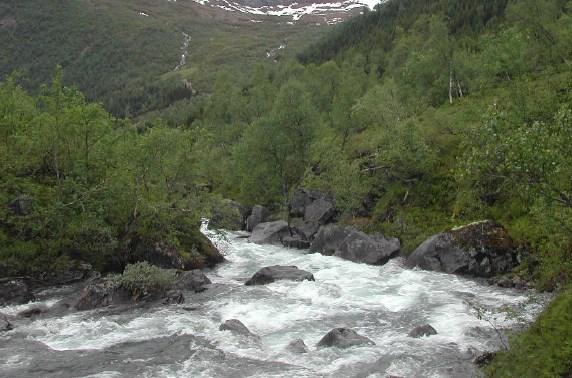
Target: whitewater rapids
(383, 303)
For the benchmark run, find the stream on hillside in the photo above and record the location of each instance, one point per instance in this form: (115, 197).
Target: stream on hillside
(383, 303)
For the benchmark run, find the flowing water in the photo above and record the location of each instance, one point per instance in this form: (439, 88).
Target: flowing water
(383, 303)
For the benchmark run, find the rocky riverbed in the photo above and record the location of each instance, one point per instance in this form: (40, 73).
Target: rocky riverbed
(285, 319)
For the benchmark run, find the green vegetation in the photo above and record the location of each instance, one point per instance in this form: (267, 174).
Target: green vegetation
(127, 61)
(415, 117)
(81, 184)
(143, 278)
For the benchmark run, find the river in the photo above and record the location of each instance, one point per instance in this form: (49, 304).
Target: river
(383, 303)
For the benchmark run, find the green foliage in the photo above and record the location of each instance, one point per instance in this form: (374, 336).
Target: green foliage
(143, 278)
(127, 61)
(543, 350)
(93, 181)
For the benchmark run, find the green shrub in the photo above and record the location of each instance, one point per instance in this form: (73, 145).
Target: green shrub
(143, 278)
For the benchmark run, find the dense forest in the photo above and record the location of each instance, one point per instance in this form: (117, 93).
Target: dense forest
(415, 117)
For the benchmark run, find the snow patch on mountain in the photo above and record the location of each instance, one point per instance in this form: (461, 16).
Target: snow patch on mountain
(331, 10)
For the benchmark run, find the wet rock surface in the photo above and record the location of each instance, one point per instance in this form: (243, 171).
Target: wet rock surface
(14, 291)
(274, 273)
(343, 338)
(350, 244)
(259, 214)
(270, 232)
(237, 327)
(481, 249)
(422, 331)
(297, 346)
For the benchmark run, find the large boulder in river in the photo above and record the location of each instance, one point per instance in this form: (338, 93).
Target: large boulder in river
(270, 274)
(259, 215)
(424, 330)
(351, 244)
(5, 324)
(101, 293)
(14, 291)
(295, 242)
(269, 232)
(480, 249)
(297, 346)
(193, 280)
(303, 229)
(320, 211)
(343, 338)
(236, 327)
(229, 215)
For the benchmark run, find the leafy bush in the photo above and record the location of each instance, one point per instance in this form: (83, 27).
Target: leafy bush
(143, 278)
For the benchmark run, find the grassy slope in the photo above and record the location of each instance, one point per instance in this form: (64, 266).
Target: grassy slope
(113, 53)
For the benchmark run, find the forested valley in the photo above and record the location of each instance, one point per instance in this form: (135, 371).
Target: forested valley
(416, 117)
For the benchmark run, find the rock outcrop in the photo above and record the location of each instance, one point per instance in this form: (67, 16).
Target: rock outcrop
(297, 346)
(351, 244)
(5, 324)
(481, 249)
(197, 252)
(192, 280)
(343, 338)
(236, 327)
(258, 215)
(295, 242)
(14, 291)
(101, 293)
(421, 331)
(274, 273)
(308, 211)
(270, 232)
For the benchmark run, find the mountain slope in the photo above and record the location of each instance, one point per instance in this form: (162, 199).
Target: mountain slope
(125, 53)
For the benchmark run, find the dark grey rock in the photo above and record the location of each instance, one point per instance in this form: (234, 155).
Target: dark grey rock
(173, 297)
(5, 324)
(270, 274)
(329, 238)
(270, 232)
(100, 293)
(295, 242)
(14, 291)
(424, 330)
(297, 346)
(481, 249)
(351, 244)
(33, 311)
(237, 327)
(359, 247)
(303, 229)
(343, 338)
(194, 280)
(320, 211)
(259, 215)
(21, 205)
(302, 198)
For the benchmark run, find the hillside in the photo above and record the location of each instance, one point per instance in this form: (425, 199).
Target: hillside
(415, 118)
(127, 53)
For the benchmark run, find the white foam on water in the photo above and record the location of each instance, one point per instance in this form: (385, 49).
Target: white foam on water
(383, 303)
